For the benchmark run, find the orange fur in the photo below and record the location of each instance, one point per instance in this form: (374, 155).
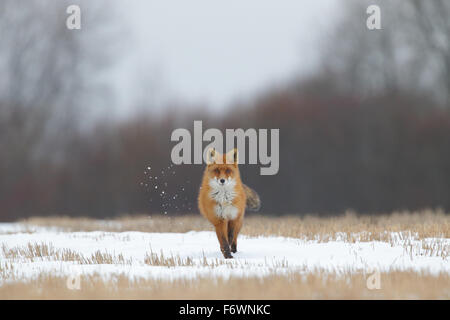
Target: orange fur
(227, 229)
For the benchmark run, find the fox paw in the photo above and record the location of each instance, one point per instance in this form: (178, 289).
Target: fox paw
(227, 254)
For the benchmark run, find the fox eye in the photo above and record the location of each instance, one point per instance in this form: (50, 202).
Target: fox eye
(217, 171)
(228, 171)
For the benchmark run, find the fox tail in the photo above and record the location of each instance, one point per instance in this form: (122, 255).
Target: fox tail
(253, 201)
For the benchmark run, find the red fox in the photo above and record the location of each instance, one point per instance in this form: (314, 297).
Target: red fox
(223, 198)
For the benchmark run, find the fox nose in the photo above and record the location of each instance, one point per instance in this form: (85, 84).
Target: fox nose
(222, 181)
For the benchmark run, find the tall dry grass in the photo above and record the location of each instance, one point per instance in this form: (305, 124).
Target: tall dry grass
(393, 285)
(351, 226)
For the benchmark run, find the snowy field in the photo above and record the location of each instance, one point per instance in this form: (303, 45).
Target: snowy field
(27, 253)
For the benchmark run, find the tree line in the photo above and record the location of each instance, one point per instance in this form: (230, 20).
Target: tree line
(369, 131)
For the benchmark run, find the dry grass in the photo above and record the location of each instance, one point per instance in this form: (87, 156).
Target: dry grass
(45, 252)
(398, 227)
(394, 285)
(349, 226)
(42, 251)
(30, 251)
(155, 259)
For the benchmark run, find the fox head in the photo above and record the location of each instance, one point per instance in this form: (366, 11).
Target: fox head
(222, 168)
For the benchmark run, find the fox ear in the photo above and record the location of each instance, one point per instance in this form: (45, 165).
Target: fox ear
(211, 156)
(232, 156)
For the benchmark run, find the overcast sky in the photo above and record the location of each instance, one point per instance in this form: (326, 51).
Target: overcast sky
(215, 52)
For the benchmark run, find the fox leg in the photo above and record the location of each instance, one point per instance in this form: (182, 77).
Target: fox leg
(222, 236)
(234, 226)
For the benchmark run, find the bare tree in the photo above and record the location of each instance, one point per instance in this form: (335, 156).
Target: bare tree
(49, 76)
(411, 52)
(429, 32)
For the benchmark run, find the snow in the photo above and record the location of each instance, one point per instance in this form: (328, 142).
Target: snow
(257, 256)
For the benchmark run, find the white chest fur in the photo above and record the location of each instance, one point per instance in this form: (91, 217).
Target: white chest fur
(228, 212)
(224, 196)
